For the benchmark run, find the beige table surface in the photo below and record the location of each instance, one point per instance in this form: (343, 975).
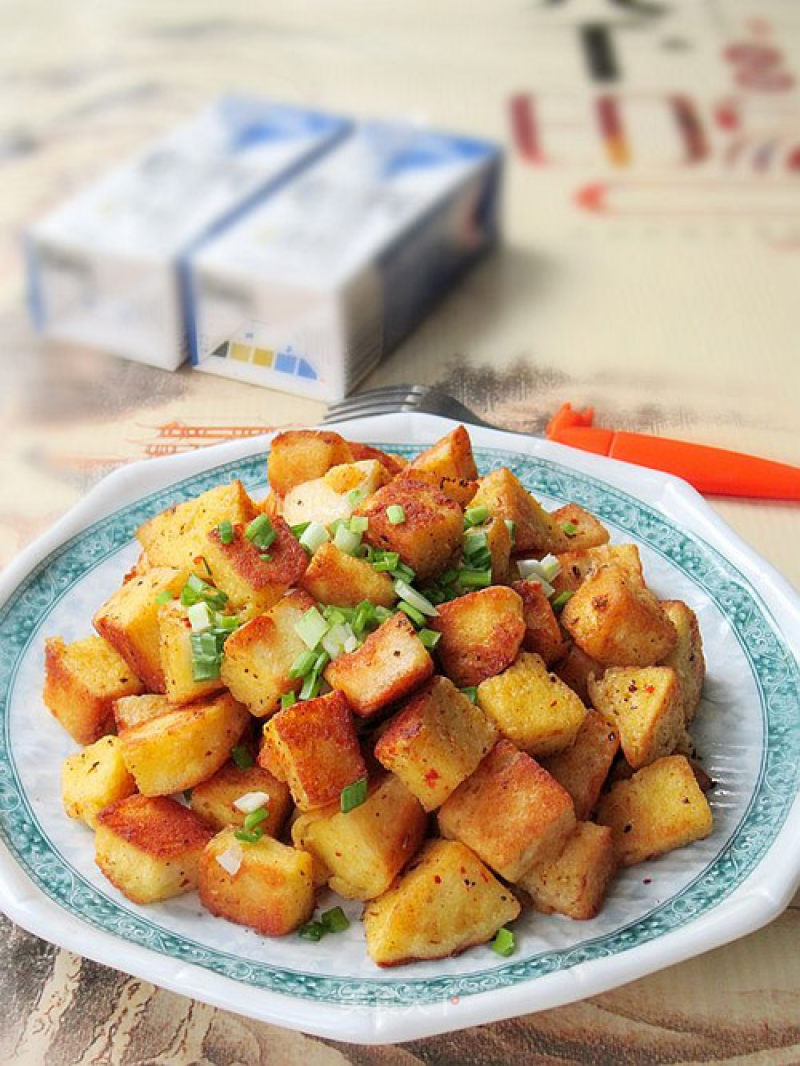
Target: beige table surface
(669, 320)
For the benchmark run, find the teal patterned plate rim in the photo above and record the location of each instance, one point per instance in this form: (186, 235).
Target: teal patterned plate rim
(31, 595)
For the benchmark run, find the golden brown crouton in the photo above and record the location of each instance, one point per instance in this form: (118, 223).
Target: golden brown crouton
(131, 710)
(445, 902)
(449, 457)
(617, 621)
(177, 537)
(337, 578)
(542, 632)
(576, 881)
(312, 746)
(436, 741)
(581, 528)
(271, 890)
(336, 494)
(259, 655)
(578, 562)
(431, 529)
(254, 577)
(129, 622)
(645, 704)
(582, 769)
(299, 455)
(179, 749)
(214, 800)
(481, 633)
(575, 670)
(149, 847)
(499, 543)
(389, 665)
(659, 809)
(81, 682)
(505, 497)
(94, 778)
(532, 706)
(459, 489)
(393, 464)
(511, 812)
(364, 849)
(686, 658)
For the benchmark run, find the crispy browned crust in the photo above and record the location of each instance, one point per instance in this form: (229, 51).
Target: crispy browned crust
(543, 634)
(286, 565)
(299, 455)
(589, 532)
(481, 634)
(334, 577)
(393, 463)
(158, 825)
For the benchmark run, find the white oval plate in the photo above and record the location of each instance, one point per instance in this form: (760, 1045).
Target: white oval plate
(657, 913)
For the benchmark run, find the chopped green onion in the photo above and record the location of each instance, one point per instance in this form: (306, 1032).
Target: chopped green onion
(345, 540)
(299, 529)
(200, 617)
(311, 686)
(254, 817)
(475, 579)
(353, 795)
(165, 596)
(569, 528)
(471, 692)
(314, 536)
(288, 699)
(196, 590)
(303, 664)
(225, 532)
(364, 616)
(355, 496)
(512, 529)
(265, 557)
(334, 920)
(475, 516)
(228, 622)
(417, 617)
(261, 532)
(311, 628)
(206, 655)
(242, 757)
(561, 600)
(384, 561)
(429, 637)
(396, 514)
(249, 836)
(312, 931)
(448, 577)
(202, 559)
(416, 599)
(359, 524)
(503, 943)
(382, 614)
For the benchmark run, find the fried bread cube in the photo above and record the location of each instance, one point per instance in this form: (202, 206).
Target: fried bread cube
(506, 497)
(177, 537)
(149, 847)
(449, 457)
(128, 620)
(182, 747)
(576, 881)
(259, 655)
(340, 579)
(532, 706)
(214, 800)
(511, 812)
(271, 889)
(81, 682)
(580, 527)
(481, 633)
(686, 658)
(430, 532)
(445, 902)
(131, 710)
(575, 670)
(500, 544)
(436, 741)
(583, 768)
(175, 645)
(389, 665)
(645, 704)
(313, 747)
(393, 464)
(617, 621)
(659, 809)
(253, 577)
(299, 455)
(94, 778)
(578, 562)
(543, 634)
(336, 494)
(364, 849)
(458, 489)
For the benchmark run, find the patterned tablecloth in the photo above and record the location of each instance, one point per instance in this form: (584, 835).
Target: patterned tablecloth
(652, 220)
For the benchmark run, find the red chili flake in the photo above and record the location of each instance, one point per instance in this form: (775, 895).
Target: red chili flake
(437, 879)
(650, 689)
(431, 776)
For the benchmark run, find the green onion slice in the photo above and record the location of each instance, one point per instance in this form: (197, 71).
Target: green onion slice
(311, 628)
(471, 692)
(255, 817)
(303, 664)
(503, 942)
(475, 579)
(312, 931)
(570, 529)
(396, 514)
(249, 836)
(561, 600)
(165, 596)
(475, 516)
(416, 599)
(429, 637)
(353, 795)
(288, 699)
(242, 756)
(225, 532)
(261, 532)
(334, 920)
(314, 536)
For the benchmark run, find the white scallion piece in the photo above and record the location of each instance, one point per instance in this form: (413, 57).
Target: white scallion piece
(314, 536)
(251, 801)
(231, 859)
(416, 599)
(345, 540)
(200, 617)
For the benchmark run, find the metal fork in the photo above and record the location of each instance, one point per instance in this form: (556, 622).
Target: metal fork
(393, 398)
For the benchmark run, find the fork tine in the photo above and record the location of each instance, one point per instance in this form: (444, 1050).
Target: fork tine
(377, 401)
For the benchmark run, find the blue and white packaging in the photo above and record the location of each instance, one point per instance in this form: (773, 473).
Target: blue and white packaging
(106, 268)
(310, 289)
